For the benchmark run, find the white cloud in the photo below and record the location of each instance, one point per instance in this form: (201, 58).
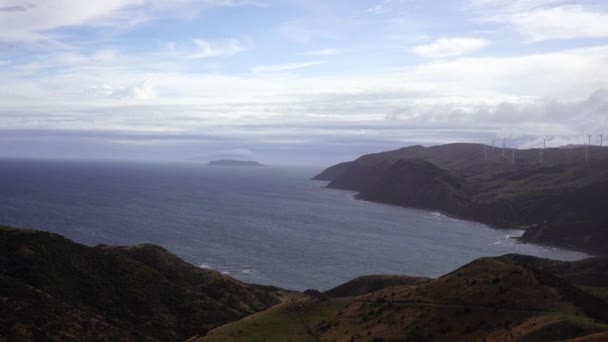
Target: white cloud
(283, 67)
(563, 22)
(450, 47)
(539, 20)
(323, 52)
(37, 16)
(227, 47)
(148, 93)
(512, 6)
(31, 20)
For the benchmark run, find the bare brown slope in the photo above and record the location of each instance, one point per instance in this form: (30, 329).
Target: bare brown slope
(491, 299)
(487, 299)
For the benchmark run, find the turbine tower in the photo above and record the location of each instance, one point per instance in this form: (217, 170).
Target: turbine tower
(587, 148)
(542, 152)
(601, 140)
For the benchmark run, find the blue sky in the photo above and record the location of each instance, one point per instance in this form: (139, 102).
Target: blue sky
(296, 81)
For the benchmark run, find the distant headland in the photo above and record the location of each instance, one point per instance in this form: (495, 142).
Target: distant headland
(229, 162)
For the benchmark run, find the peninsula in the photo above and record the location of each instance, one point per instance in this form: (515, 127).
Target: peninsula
(556, 194)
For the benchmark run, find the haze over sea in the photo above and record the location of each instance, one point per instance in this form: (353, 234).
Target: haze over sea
(264, 225)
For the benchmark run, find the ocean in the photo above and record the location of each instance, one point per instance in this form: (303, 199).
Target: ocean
(265, 225)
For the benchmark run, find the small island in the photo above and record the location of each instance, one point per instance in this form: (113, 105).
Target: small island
(229, 162)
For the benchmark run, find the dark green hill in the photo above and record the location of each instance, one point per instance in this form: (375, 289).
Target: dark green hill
(560, 201)
(372, 283)
(53, 288)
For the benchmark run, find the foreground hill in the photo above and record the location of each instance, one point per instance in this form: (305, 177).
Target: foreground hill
(560, 201)
(54, 289)
(491, 299)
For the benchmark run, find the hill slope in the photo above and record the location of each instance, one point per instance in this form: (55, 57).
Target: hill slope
(561, 200)
(53, 288)
(494, 299)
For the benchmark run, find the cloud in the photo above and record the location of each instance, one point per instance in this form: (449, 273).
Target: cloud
(207, 49)
(436, 100)
(450, 47)
(323, 52)
(540, 20)
(379, 8)
(564, 22)
(283, 67)
(33, 19)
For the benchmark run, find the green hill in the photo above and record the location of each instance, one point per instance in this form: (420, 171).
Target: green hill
(509, 298)
(53, 288)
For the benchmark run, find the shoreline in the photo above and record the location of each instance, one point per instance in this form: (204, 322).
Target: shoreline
(589, 253)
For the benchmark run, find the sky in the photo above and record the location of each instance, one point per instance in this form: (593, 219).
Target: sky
(296, 81)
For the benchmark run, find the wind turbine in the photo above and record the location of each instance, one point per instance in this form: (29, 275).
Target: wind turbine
(513, 156)
(587, 149)
(543, 150)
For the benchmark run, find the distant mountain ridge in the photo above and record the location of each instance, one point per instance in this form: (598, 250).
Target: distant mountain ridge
(231, 162)
(559, 200)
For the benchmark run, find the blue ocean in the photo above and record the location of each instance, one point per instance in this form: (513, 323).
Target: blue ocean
(267, 225)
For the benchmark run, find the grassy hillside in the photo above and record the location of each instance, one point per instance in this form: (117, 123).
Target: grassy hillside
(53, 288)
(506, 299)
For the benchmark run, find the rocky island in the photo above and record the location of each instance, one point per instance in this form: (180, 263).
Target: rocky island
(559, 201)
(230, 162)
